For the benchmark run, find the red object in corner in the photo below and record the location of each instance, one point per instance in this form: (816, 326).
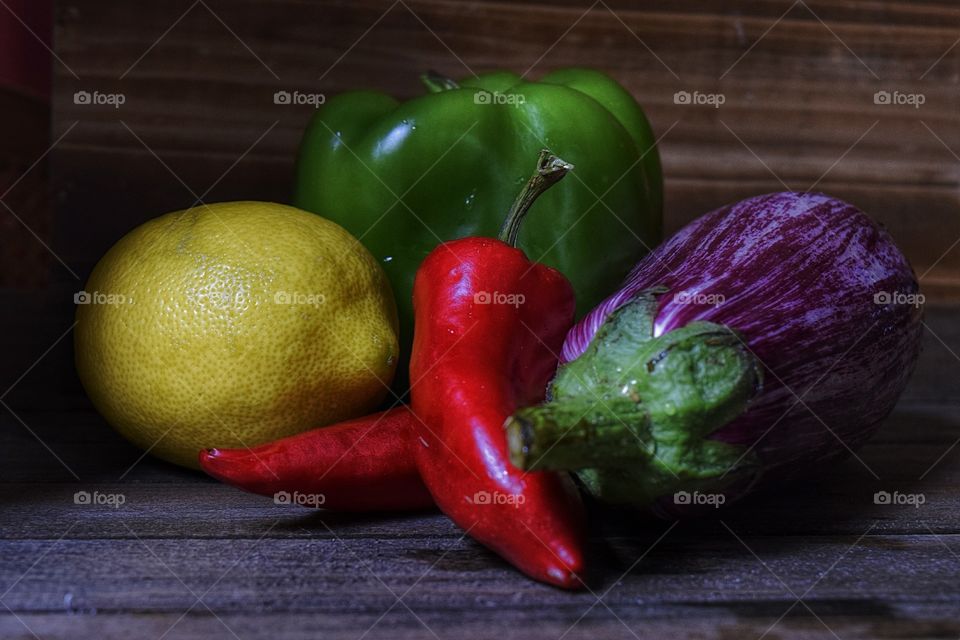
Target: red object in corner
(26, 28)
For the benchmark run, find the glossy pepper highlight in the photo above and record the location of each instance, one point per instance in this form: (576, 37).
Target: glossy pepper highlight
(434, 168)
(489, 325)
(365, 464)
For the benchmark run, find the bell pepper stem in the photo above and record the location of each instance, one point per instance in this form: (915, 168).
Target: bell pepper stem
(437, 82)
(550, 170)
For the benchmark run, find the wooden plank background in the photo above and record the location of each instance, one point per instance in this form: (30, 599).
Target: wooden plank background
(798, 79)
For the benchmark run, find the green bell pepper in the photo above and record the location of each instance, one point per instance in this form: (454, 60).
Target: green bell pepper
(405, 176)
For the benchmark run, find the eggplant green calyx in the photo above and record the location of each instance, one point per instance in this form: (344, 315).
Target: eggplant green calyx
(633, 413)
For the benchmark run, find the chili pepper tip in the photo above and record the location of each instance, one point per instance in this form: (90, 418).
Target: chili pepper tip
(565, 578)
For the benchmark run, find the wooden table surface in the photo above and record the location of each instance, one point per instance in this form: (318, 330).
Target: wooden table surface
(185, 557)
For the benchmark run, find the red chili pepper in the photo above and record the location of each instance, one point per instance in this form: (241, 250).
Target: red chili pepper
(365, 464)
(488, 325)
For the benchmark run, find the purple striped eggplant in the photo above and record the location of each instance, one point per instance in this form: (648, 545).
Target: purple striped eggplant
(763, 340)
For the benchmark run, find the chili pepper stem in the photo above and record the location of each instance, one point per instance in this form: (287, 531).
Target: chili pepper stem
(550, 170)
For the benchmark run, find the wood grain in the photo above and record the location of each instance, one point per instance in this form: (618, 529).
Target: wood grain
(707, 623)
(285, 572)
(331, 574)
(450, 582)
(166, 502)
(798, 87)
(798, 79)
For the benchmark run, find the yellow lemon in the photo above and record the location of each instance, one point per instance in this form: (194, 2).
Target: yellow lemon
(233, 324)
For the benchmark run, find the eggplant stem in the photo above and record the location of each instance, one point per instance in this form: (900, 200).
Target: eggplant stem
(634, 414)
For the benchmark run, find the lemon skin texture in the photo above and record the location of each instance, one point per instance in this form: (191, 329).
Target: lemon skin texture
(233, 324)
